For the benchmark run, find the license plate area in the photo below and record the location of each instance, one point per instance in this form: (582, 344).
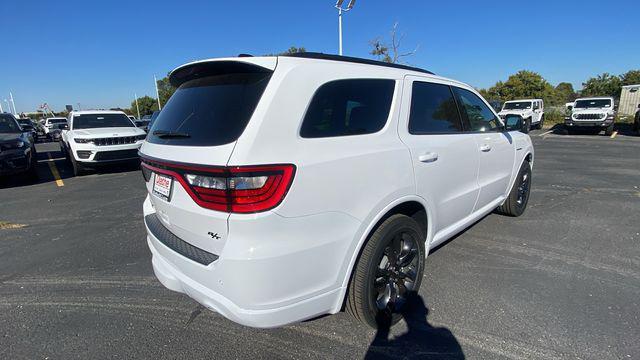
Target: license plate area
(162, 186)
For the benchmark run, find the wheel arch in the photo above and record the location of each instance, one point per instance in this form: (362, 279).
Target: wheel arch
(413, 206)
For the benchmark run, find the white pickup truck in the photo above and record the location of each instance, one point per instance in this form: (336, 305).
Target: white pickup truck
(595, 113)
(531, 111)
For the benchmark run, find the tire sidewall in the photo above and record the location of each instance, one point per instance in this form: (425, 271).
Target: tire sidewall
(401, 223)
(524, 169)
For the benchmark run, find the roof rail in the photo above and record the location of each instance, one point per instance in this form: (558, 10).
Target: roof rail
(316, 55)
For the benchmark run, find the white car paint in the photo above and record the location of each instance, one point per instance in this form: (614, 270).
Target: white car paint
(293, 262)
(70, 145)
(51, 123)
(600, 113)
(534, 111)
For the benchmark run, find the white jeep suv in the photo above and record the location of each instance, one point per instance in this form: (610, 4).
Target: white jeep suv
(282, 188)
(595, 114)
(531, 110)
(100, 137)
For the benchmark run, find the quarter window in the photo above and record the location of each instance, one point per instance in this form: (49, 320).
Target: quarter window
(433, 110)
(348, 107)
(475, 112)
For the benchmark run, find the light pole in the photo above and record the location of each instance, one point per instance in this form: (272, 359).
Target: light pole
(340, 11)
(137, 106)
(157, 93)
(13, 103)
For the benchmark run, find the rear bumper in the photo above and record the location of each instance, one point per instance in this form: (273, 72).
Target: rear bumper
(272, 271)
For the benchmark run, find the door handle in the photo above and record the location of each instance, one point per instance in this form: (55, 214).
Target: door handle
(428, 157)
(485, 148)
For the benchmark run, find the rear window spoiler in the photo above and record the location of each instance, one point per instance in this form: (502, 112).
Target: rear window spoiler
(205, 68)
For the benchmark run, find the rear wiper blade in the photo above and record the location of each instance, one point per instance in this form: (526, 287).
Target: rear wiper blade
(164, 134)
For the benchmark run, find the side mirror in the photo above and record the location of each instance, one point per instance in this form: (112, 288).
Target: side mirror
(513, 123)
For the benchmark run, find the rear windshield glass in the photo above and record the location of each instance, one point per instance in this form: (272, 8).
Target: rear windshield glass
(517, 105)
(601, 103)
(90, 121)
(348, 107)
(209, 111)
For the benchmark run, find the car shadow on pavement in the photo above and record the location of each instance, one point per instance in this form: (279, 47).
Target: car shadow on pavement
(53, 165)
(421, 341)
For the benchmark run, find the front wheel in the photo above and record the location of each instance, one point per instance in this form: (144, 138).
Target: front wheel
(609, 130)
(389, 269)
(518, 198)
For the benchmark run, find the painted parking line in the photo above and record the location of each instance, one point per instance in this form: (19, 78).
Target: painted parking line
(545, 133)
(613, 136)
(54, 171)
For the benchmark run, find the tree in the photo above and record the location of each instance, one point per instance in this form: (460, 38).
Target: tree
(521, 85)
(147, 106)
(603, 85)
(390, 52)
(631, 77)
(289, 51)
(165, 90)
(564, 93)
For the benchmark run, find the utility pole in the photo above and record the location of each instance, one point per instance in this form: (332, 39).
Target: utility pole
(155, 81)
(137, 106)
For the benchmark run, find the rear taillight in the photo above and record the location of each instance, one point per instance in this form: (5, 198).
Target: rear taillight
(236, 189)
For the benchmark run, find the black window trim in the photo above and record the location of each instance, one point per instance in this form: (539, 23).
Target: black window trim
(386, 123)
(463, 125)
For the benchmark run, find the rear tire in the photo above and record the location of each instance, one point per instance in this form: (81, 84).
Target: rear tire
(518, 198)
(526, 127)
(390, 267)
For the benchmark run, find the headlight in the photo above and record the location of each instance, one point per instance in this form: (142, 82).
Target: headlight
(82, 141)
(141, 137)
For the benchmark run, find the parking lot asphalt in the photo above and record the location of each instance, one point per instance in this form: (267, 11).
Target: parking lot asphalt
(562, 281)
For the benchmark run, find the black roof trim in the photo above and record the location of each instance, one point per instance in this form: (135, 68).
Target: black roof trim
(315, 55)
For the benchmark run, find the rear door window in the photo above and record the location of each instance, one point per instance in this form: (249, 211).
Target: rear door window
(209, 111)
(433, 110)
(348, 107)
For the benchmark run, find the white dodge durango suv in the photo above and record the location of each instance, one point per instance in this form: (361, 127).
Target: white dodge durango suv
(97, 137)
(284, 188)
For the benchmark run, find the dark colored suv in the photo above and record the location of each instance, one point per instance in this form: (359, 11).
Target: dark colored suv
(17, 151)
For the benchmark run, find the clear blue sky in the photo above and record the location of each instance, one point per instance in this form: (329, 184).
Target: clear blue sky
(98, 53)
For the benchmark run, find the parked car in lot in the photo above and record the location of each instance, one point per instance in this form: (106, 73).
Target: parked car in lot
(278, 187)
(143, 124)
(51, 124)
(29, 127)
(100, 137)
(17, 150)
(594, 114)
(531, 110)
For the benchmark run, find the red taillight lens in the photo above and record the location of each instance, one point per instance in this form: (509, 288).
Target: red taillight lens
(237, 189)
